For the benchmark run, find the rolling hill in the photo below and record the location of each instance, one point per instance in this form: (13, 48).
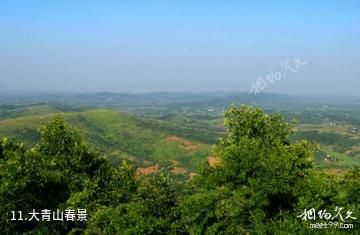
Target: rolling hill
(118, 135)
(178, 129)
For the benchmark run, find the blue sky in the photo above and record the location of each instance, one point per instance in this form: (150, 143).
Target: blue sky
(142, 46)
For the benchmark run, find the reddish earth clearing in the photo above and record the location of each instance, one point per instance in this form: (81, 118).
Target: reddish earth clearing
(172, 139)
(213, 160)
(175, 162)
(178, 171)
(148, 170)
(187, 145)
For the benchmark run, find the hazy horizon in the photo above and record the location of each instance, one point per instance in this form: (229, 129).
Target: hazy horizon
(179, 46)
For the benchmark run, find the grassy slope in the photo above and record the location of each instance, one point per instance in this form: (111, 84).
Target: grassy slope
(145, 141)
(118, 135)
(14, 111)
(340, 143)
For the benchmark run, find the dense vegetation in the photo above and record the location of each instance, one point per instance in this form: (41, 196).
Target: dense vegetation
(261, 183)
(118, 135)
(114, 123)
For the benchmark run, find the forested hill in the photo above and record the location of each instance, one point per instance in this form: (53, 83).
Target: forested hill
(261, 183)
(158, 128)
(119, 135)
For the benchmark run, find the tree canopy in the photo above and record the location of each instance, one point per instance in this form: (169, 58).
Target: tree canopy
(262, 183)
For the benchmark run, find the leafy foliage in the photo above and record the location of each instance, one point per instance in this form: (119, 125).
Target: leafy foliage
(262, 183)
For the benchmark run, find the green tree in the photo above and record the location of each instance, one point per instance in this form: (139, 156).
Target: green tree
(151, 210)
(43, 177)
(259, 175)
(262, 183)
